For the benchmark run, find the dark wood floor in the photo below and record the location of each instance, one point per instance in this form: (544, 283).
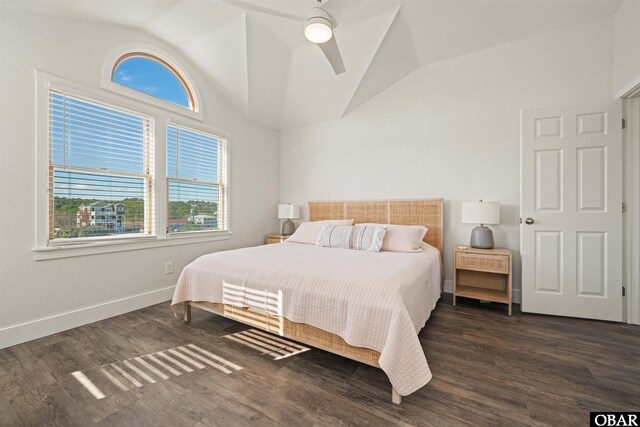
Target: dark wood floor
(488, 369)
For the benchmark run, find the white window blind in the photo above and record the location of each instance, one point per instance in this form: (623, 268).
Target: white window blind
(196, 180)
(100, 169)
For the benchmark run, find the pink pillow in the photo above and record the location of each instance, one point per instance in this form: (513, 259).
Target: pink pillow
(308, 231)
(403, 238)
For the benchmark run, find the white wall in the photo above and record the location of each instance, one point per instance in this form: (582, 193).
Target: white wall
(63, 289)
(626, 48)
(450, 130)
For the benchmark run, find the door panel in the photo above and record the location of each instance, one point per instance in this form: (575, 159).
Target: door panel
(547, 127)
(592, 177)
(571, 188)
(549, 180)
(592, 264)
(594, 124)
(548, 261)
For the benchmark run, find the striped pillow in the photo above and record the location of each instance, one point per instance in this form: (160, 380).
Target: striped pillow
(360, 237)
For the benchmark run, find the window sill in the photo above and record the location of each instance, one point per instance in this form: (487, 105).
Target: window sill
(105, 247)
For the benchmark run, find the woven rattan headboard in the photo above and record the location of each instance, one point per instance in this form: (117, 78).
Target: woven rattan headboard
(426, 212)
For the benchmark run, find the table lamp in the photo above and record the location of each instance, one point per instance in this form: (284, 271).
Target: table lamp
(288, 212)
(481, 213)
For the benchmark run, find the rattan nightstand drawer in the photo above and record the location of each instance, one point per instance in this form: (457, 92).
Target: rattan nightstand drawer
(481, 262)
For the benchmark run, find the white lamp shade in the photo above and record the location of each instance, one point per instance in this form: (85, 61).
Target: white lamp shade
(481, 213)
(288, 211)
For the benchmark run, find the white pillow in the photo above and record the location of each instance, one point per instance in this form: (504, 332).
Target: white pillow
(402, 238)
(308, 231)
(360, 237)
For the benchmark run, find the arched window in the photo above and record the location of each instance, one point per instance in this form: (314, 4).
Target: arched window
(154, 76)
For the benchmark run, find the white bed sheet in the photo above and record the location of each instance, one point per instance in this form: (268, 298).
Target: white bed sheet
(374, 300)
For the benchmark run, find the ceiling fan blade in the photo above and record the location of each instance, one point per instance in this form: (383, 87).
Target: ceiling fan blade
(332, 53)
(260, 9)
(339, 9)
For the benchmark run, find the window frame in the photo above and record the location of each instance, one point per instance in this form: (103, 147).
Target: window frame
(148, 175)
(193, 106)
(120, 53)
(223, 183)
(44, 248)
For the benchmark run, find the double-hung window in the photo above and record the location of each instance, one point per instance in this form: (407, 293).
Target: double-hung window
(196, 180)
(133, 167)
(101, 169)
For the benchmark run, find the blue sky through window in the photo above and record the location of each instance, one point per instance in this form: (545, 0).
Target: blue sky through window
(151, 77)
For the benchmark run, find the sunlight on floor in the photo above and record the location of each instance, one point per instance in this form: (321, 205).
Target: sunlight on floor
(276, 347)
(150, 368)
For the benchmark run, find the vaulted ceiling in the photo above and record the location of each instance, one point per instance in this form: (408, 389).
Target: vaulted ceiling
(255, 52)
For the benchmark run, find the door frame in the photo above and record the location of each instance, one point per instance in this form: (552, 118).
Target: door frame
(631, 219)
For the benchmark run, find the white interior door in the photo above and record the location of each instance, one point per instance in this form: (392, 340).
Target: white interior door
(571, 208)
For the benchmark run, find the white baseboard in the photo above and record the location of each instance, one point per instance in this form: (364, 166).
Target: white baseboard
(516, 296)
(448, 286)
(515, 293)
(28, 331)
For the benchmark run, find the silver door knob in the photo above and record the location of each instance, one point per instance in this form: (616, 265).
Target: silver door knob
(529, 221)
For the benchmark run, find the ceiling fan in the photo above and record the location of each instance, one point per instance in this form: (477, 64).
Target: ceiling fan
(319, 24)
(318, 29)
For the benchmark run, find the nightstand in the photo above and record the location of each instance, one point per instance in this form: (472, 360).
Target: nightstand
(484, 274)
(276, 238)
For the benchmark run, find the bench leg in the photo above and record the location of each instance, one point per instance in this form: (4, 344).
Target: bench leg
(187, 312)
(395, 396)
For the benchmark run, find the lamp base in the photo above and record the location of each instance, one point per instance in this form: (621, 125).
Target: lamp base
(288, 227)
(482, 238)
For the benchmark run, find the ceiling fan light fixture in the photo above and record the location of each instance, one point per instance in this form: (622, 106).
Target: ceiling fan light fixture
(318, 28)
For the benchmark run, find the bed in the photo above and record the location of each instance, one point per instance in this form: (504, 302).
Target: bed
(365, 306)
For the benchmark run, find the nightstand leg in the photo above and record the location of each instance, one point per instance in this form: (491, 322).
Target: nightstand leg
(455, 280)
(509, 309)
